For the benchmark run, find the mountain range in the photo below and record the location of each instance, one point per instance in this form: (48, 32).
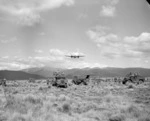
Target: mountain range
(45, 72)
(18, 75)
(101, 72)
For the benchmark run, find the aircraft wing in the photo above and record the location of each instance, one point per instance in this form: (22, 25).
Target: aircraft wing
(81, 55)
(68, 55)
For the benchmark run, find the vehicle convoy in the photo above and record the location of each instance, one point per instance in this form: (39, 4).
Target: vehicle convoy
(133, 78)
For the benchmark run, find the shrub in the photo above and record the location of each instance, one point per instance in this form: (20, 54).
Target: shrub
(130, 87)
(33, 100)
(134, 111)
(16, 105)
(3, 118)
(40, 88)
(18, 118)
(144, 119)
(66, 108)
(117, 118)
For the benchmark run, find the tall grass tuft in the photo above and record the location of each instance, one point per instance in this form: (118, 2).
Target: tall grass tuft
(16, 105)
(66, 108)
(33, 100)
(134, 111)
(144, 119)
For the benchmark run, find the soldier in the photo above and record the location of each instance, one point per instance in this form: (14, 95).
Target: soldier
(3, 82)
(48, 83)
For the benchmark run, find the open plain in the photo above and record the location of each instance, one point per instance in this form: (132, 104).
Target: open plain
(103, 101)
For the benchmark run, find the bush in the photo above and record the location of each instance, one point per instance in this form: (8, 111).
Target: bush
(33, 100)
(130, 87)
(66, 108)
(18, 118)
(117, 118)
(31, 80)
(40, 88)
(134, 111)
(3, 118)
(16, 105)
(144, 119)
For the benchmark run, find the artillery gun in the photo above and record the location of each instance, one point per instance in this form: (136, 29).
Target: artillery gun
(78, 81)
(133, 78)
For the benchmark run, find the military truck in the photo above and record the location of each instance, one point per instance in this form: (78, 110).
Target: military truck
(59, 80)
(133, 78)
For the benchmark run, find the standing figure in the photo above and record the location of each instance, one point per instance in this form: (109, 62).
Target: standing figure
(48, 81)
(3, 82)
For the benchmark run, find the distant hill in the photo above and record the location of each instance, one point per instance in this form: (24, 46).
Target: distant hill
(44, 71)
(101, 72)
(18, 75)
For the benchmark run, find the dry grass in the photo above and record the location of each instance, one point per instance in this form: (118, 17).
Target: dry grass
(104, 102)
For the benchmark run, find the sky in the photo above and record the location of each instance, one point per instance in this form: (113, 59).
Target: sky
(39, 33)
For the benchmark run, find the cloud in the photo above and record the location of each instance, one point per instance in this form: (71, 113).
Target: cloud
(28, 11)
(113, 46)
(113, 2)
(29, 19)
(109, 10)
(5, 57)
(42, 33)
(84, 64)
(13, 66)
(5, 41)
(18, 63)
(57, 52)
(97, 31)
(56, 59)
(82, 16)
(139, 44)
(38, 51)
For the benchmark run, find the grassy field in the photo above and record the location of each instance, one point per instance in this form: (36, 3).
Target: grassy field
(104, 101)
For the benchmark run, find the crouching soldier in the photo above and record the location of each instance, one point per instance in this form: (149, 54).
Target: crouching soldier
(48, 83)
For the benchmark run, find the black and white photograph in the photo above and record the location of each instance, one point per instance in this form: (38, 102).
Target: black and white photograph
(74, 60)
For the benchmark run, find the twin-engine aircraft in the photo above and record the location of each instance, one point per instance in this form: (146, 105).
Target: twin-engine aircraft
(74, 56)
